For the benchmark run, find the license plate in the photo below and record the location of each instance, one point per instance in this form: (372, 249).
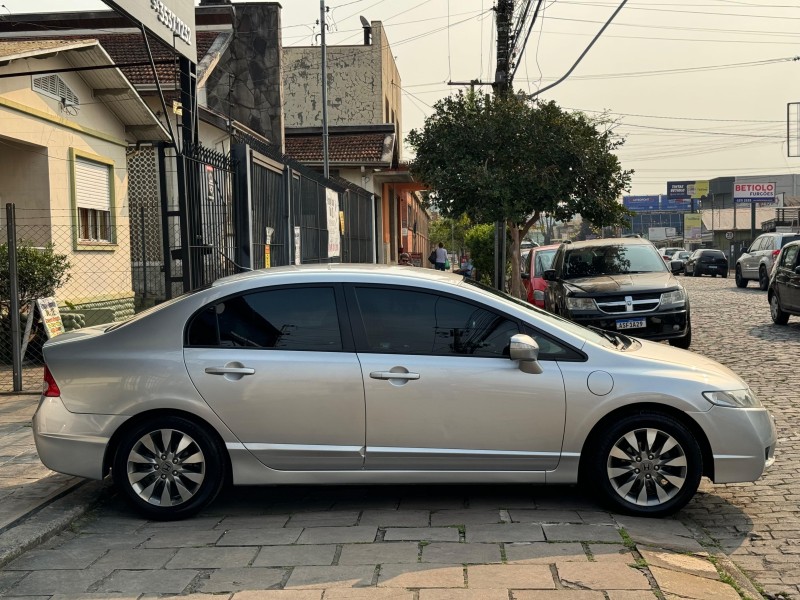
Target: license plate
(712, 267)
(631, 323)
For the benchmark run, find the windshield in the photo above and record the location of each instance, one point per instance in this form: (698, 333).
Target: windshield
(617, 259)
(542, 261)
(570, 327)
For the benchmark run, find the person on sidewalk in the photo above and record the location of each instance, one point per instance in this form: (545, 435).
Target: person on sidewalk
(441, 257)
(405, 259)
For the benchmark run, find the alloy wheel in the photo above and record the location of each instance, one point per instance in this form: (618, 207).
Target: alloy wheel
(647, 467)
(166, 467)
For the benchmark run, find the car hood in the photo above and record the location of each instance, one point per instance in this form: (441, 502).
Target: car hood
(688, 365)
(616, 284)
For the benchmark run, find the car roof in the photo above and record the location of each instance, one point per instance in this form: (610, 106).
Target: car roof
(341, 270)
(549, 247)
(609, 242)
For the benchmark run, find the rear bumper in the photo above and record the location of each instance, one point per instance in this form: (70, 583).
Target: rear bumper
(72, 443)
(658, 326)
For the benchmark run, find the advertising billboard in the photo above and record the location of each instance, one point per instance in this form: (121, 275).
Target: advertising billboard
(692, 227)
(754, 192)
(641, 203)
(683, 204)
(688, 189)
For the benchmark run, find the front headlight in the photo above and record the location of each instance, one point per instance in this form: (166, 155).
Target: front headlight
(673, 298)
(580, 303)
(735, 399)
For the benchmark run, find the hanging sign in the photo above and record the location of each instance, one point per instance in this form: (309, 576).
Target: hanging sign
(51, 317)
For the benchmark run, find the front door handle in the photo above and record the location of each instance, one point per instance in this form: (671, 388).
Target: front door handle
(391, 375)
(230, 370)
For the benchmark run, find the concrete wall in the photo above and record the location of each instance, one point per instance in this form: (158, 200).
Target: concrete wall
(41, 134)
(246, 84)
(363, 84)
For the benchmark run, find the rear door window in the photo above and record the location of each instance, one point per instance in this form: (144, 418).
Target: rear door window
(789, 257)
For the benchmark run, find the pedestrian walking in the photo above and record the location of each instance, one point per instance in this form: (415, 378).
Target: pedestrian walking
(441, 257)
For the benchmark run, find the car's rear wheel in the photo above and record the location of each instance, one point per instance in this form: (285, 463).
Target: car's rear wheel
(741, 282)
(763, 279)
(725, 274)
(169, 467)
(778, 316)
(646, 464)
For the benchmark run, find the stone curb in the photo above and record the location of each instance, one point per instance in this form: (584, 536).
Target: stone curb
(44, 522)
(741, 580)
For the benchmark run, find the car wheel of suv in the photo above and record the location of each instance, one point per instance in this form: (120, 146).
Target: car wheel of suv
(725, 274)
(741, 282)
(646, 464)
(685, 341)
(696, 272)
(763, 279)
(169, 467)
(778, 316)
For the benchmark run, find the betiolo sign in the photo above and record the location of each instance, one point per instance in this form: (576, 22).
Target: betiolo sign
(754, 192)
(170, 20)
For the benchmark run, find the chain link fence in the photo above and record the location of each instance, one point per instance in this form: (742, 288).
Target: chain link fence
(92, 280)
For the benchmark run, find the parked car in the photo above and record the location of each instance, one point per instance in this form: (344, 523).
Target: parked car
(756, 263)
(671, 251)
(538, 261)
(619, 284)
(706, 261)
(783, 291)
(681, 257)
(358, 374)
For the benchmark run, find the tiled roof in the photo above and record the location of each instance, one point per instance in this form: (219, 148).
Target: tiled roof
(130, 48)
(367, 148)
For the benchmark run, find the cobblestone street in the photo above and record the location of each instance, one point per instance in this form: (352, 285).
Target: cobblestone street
(463, 542)
(757, 524)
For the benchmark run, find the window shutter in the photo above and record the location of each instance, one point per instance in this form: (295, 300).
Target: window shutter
(92, 185)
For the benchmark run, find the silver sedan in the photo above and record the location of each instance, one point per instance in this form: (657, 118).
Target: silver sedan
(348, 374)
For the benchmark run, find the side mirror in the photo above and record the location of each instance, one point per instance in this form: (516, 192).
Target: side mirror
(525, 276)
(525, 350)
(549, 275)
(675, 265)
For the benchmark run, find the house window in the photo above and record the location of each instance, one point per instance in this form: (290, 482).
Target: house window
(93, 201)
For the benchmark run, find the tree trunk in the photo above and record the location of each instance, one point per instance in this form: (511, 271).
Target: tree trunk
(516, 279)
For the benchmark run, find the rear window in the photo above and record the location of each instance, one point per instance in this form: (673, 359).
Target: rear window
(788, 238)
(714, 253)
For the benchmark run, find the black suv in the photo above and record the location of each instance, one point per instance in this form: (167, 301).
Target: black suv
(622, 285)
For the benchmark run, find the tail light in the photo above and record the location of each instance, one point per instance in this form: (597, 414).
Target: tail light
(50, 387)
(775, 254)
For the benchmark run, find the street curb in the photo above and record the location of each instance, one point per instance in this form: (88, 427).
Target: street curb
(741, 580)
(43, 523)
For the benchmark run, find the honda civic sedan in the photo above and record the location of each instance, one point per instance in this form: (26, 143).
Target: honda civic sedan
(348, 374)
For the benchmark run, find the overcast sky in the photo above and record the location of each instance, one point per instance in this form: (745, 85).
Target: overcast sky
(699, 87)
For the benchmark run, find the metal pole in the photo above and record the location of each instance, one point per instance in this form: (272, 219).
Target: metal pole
(325, 160)
(144, 256)
(16, 355)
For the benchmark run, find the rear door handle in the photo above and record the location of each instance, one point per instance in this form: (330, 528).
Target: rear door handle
(230, 370)
(391, 375)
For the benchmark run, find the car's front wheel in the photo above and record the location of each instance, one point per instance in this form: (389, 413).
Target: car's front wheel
(778, 316)
(741, 282)
(763, 279)
(169, 467)
(645, 464)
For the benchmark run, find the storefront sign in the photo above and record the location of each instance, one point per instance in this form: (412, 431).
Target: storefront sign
(692, 227)
(170, 20)
(334, 238)
(754, 192)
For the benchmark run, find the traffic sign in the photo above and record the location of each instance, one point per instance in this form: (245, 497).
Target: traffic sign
(728, 235)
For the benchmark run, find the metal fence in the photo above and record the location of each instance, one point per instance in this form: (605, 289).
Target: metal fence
(91, 280)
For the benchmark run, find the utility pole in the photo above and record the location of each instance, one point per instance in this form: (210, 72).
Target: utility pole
(502, 85)
(325, 160)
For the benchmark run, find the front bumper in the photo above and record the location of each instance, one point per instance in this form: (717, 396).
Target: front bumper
(742, 442)
(661, 325)
(72, 443)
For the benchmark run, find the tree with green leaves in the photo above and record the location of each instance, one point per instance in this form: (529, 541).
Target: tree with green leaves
(505, 158)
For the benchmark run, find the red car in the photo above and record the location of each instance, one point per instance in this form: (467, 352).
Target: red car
(538, 260)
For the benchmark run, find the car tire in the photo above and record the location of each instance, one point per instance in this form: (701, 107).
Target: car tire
(685, 341)
(778, 316)
(696, 272)
(763, 279)
(741, 282)
(169, 467)
(724, 274)
(640, 481)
